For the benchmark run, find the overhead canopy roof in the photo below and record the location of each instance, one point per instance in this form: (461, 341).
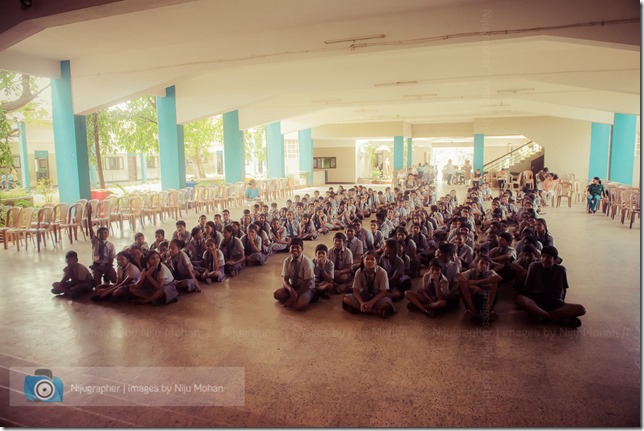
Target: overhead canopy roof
(311, 63)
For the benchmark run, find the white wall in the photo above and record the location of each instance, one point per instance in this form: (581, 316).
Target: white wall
(566, 142)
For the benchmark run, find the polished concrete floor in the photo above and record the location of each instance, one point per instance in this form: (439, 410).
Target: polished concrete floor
(325, 367)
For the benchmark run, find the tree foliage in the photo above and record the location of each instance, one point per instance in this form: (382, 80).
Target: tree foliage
(18, 102)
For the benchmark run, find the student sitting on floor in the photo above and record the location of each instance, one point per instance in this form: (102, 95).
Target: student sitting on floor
(545, 292)
(159, 237)
(233, 251)
(181, 233)
(196, 248)
(126, 276)
(156, 285)
(253, 247)
(298, 284)
(355, 245)
(308, 231)
(342, 259)
(76, 281)
(213, 260)
(323, 271)
(139, 239)
(280, 241)
(478, 289)
(394, 266)
(433, 292)
(528, 255)
(183, 272)
(370, 290)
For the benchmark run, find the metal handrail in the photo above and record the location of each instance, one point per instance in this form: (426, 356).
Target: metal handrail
(529, 147)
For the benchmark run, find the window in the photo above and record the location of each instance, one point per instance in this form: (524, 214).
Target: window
(113, 163)
(220, 162)
(151, 162)
(16, 161)
(324, 162)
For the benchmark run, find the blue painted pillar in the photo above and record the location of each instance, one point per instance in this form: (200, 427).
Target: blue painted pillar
(234, 159)
(24, 158)
(622, 148)
(70, 140)
(144, 168)
(172, 157)
(399, 153)
(479, 152)
(275, 150)
(409, 152)
(599, 148)
(305, 139)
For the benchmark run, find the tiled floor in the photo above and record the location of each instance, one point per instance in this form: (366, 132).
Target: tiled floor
(325, 367)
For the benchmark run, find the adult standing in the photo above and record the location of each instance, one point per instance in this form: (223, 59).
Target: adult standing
(448, 171)
(595, 192)
(467, 171)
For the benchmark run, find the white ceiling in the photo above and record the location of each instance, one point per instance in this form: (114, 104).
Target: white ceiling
(269, 60)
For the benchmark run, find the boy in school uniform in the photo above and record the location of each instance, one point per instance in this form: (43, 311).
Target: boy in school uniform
(226, 220)
(196, 248)
(298, 284)
(478, 288)
(139, 239)
(342, 259)
(103, 252)
(76, 281)
(433, 293)
(181, 233)
(394, 266)
(323, 271)
(365, 236)
(545, 291)
(292, 226)
(159, 237)
(355, 245)
(370, 290)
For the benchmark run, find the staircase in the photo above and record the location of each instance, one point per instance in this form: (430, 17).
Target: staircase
(517, 160)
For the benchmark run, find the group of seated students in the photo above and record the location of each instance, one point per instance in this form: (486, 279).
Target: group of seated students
(470, 252)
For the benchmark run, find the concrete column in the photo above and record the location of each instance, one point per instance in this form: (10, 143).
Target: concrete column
(172, 158)
(599, 150)
(622, 148)
(70, 140)
(306, 152)
(234, 158)
(275, 150)
(479, 152)
(24, 157)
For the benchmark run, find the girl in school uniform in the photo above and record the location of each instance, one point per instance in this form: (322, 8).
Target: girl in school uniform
(253, 247)
(320, 222)
(213, 259)
(156, 285)
(370, 290)
(212, 233)
(127, 275)
(308, 231)
(278, 236)
(233, 251)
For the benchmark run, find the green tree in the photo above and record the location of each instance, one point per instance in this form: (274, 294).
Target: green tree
(199, 136)
(255, 146)
(18, 102)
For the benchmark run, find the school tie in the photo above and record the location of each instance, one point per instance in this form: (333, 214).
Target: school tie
(337, 259)
(295, 281)
(101, 251)
(290, 229)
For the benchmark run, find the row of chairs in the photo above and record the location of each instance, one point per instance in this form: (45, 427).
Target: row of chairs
(218, 197)
(622, 200)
